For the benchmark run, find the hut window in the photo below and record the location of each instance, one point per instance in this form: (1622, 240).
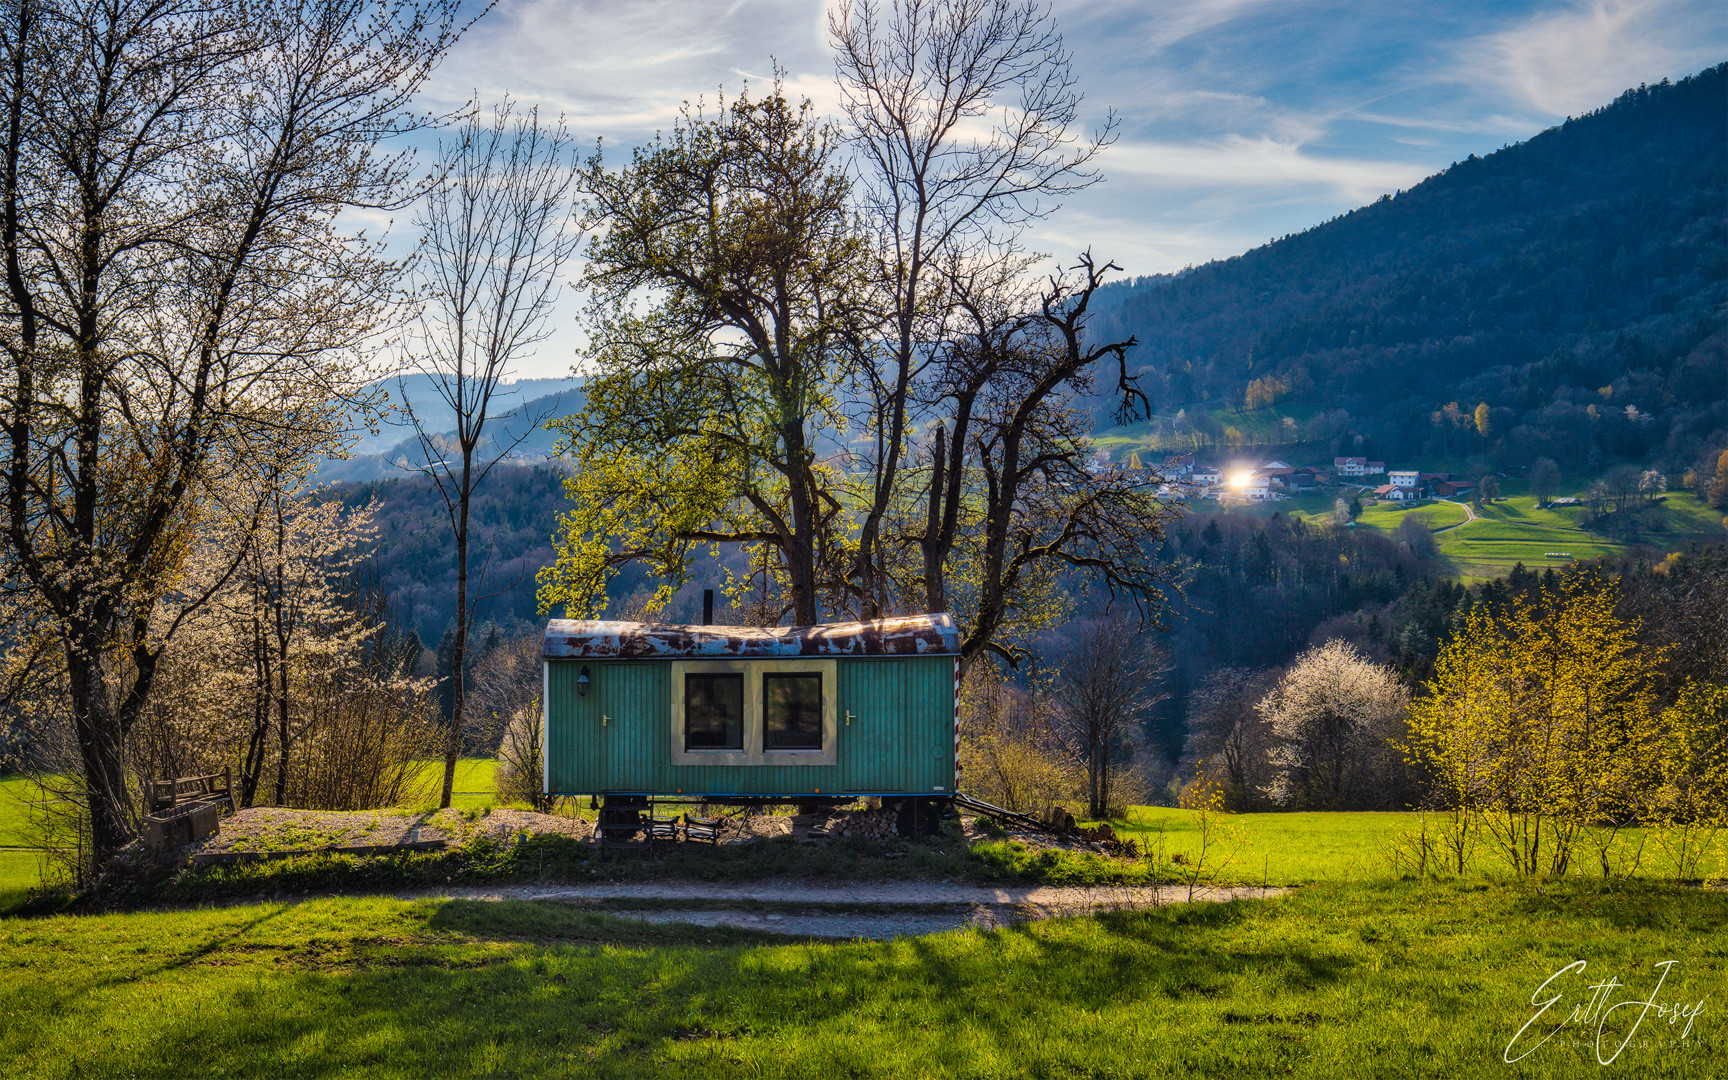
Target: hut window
(713, 712)
(792, 712)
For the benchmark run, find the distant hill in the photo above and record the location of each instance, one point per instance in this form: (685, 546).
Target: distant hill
(1574, 283)
(519, 413)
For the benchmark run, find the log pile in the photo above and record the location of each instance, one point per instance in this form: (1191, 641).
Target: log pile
(875, 824)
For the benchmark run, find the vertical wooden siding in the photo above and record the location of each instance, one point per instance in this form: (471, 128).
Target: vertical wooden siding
(901, 738)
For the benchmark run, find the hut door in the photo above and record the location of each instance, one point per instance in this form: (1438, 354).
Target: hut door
(632, 701)
(872, 726)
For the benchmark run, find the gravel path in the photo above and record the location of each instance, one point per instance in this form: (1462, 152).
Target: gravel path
(1469, 515)
(905, 907)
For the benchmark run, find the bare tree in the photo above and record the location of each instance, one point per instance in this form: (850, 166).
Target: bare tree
(180, 295)
(1544, 479)
(1010, 483)
(921, 81)
(1622, 484)
(1228, 739)
(507, 690)
(1106, 687)
(497, 230)
(1414, 533)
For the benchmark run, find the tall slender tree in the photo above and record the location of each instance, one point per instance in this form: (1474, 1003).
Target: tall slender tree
(497, 229)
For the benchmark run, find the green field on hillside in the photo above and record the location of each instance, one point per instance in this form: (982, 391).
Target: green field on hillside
(1398, 980)
(1514, 529)
(1436, 515)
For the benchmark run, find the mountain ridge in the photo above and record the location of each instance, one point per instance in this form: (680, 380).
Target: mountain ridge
(1590, 257)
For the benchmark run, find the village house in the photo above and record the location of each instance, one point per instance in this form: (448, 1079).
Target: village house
(1304, 480)
(1408, 479)
(1394, 493)
(1351, 466)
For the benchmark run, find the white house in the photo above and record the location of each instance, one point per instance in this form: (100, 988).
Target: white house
(1405, 478)
(1350, 466)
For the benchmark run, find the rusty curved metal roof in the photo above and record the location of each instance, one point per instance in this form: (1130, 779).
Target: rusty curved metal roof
(903, 635)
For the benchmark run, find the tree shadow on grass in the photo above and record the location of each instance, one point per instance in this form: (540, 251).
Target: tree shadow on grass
(521, 1000)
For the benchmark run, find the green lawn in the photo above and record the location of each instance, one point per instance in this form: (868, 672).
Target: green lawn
(20, 870)
(1396, 980)
(16, 793)
(475, 785)
(1341, 847)
(1436, 515)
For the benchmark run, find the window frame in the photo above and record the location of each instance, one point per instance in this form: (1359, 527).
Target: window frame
(754, 752)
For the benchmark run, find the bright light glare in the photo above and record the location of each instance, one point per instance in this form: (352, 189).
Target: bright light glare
(1241, 479)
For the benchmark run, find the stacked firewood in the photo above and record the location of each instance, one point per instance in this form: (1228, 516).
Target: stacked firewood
(875, 824)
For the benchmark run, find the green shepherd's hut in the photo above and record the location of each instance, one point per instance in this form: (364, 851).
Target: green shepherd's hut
(737, 713)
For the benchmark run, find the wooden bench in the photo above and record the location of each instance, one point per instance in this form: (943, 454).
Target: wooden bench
(660, 828)
(167, 795)
(708, 829)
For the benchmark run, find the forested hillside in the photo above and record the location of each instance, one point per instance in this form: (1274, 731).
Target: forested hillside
(1573, 283)
(412, 558)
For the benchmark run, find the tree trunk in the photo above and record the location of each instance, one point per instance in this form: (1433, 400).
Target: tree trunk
(458, 647)
(100, 751)
(801, 552)
(257, 740)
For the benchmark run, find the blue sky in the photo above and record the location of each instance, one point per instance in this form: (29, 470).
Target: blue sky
(1240, 120)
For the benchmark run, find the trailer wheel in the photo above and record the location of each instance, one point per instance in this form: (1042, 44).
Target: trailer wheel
(921, 817)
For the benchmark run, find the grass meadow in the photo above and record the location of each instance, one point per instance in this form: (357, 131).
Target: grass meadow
(1396, 979)
(1358, 971)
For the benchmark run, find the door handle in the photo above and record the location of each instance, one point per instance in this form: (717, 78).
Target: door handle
(849, 717)
(603, 719)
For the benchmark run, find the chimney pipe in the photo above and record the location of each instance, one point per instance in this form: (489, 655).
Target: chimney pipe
(707, 607)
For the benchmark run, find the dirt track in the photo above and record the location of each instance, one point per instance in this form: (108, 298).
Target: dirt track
(865, 909)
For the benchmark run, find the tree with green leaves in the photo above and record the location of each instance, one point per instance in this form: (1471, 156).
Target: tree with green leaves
(703, 418)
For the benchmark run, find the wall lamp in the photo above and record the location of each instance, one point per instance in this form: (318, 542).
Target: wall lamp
(582, 683)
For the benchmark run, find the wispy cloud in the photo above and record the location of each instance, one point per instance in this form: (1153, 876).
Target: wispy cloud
(1575, 58)
(1236, 162)
(1239, 119)
(624, 69)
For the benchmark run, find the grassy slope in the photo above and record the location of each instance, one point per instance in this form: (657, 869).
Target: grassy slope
(1515, 529)
(20, 871)
(1389, 980)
